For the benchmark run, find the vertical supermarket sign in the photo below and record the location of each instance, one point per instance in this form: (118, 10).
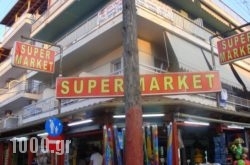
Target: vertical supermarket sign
(34, 58)
(234, 48)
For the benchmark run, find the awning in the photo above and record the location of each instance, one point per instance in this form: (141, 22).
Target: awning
(244, 75)
(190, 57)
(77, 104)
(226, 73)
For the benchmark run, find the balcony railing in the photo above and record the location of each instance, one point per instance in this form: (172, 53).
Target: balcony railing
(80, 31)
(15, 87)
(4, 65)
(92, 23)
(229, 11)
(232, 99)
(40, 107)
(43, 18)
(49, 106)
(10, 122)
(26, 17)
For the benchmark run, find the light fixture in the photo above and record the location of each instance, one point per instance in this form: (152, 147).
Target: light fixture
(153, 115)
(19, 139)
(119, 116)
(235, 127)
(43, 134)
(144, 115)
(196, 123)
(80, 122)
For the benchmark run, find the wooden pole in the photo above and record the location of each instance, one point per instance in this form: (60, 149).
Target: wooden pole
(132, 94)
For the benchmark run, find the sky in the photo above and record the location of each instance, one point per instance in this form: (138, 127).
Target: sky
(5, 6)
(242, 7)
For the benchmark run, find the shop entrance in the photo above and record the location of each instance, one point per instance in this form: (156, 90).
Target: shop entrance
(208, 143)
(81, 147)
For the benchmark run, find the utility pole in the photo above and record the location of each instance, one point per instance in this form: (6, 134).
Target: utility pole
(132, 93)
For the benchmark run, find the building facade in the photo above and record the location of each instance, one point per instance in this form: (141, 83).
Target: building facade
(173, 36)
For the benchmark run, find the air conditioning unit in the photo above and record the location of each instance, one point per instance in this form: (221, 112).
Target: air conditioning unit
(10, 122)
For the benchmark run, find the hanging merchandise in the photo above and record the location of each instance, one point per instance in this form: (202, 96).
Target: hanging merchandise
(146, 159)
(148, 143)
(170, 146)
(121, 139)
(155, 144)
(108, 145)
(117, 145)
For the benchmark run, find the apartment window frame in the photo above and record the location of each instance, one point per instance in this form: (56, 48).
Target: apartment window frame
(117, 66)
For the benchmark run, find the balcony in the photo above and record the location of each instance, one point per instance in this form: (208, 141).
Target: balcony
(10, 122)
(64, 14)
(49, 107)
(18, 94)
(21, 27)
(8, 72)
(204, 99)
(95, 31)
(40, 110)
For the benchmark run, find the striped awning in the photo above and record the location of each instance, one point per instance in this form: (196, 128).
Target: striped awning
(192, 57)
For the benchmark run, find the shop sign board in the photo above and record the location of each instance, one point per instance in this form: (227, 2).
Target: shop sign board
(234, 48)
(34, 58)
(150, 84)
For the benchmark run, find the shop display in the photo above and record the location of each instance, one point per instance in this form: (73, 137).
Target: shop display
(154, 152)
(108, 145)
(240, 153)
(117, 146)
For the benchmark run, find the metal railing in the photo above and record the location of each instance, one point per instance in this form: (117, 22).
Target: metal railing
(15, 87)
(5, 64)
(191, 27)
(239, 101)
(43, 18)
(79, 32)
(26, 16)
(40, 107)
(91, 24)
(229, 11)
(51, 104)
(232, 99)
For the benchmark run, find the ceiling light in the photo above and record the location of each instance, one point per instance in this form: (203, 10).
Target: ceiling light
(196, 123)
(235, 127)
(19, 139)
(144, 115)
(80, 122)
(119, 116)
(153, 115)
(43, 134)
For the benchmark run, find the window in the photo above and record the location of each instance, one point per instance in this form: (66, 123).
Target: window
(117, 67)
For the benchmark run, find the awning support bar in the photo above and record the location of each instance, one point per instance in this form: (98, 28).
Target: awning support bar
(199, 118)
